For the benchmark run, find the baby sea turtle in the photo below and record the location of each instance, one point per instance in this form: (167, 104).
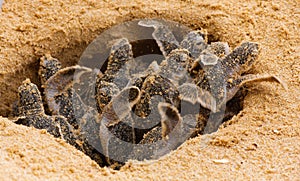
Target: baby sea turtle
(139, 114)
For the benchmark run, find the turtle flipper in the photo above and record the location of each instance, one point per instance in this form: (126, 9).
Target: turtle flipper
(116, 75)
(116, 126)
(31, 112)
(194, 42)
(235, 84)
(162, 35)
(207, 100)
(60, 83)
(161, 139)
(240, 59)
(119, 62)
(170, 118)
(104, 94)
(121, 105)
(116, 130)
(48, 67)
(120, 54)
(220, 49)
(176, 66)
(30, 100)
(189, 92)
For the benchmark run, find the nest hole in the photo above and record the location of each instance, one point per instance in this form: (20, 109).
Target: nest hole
(141, 48)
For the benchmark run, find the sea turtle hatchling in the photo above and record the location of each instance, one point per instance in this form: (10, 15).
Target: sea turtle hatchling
(139, 114)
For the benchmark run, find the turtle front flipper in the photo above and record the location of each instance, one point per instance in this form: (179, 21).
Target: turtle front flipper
(117, 74)
(31, 112)
(104, 93)
(156, 88)
(189, 92)
(162, 35)
(220, 49)
(163, 138)
(119, 62)
(120, 54)
(194, 42)
(170, 118)
(240, 59)
(121, 105)
(48, 67)
(235, 84)
(117, 132)
(61, 96)
(178, 127)
(59, 83)
(30, 100)
(176, 67)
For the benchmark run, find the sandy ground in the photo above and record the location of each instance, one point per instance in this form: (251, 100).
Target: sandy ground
(261, 142)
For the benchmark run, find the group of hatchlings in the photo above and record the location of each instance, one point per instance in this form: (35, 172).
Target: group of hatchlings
(139, 115)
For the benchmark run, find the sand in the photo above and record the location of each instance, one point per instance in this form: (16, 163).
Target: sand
(261, 142)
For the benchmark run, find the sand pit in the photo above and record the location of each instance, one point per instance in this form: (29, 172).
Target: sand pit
(261, 142)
